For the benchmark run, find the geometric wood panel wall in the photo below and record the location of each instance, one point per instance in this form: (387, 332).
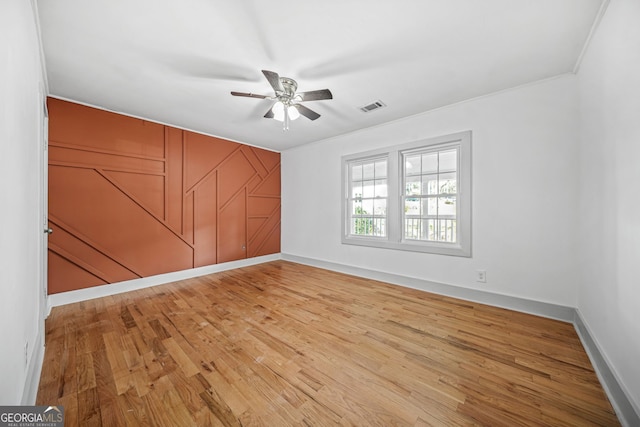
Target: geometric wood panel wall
(129, 198)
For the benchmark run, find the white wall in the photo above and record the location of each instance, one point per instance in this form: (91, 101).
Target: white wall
(609, 92)
(21, 114)
(525, 185)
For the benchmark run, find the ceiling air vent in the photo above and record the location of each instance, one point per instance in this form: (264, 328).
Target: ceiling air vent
(373, 106)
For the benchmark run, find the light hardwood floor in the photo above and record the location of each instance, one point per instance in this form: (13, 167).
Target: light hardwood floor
(282, 344)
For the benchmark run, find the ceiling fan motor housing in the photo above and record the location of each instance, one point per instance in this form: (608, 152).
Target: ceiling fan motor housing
(290, 86)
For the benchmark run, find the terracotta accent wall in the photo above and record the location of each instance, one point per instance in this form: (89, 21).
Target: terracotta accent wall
(130, 198)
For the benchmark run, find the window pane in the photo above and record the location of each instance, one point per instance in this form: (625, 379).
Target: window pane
(412, 186)
(430, 163)
(447, 230)
(380, 207)
(448, 160)
(412, 206)
(381, 188)
(412, 165)
(379, 227)
(356, 190)
(367, 188)
(367, 207)
(412, 228)
(356, 208)
(362, 226)
(381, 169)
(431, 229)
(447, 183)
(368, 170)
(430, 206)
(430, 184)
(356, 172)
(446, 206)
(368, 226)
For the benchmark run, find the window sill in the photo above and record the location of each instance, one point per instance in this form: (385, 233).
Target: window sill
(451, 249)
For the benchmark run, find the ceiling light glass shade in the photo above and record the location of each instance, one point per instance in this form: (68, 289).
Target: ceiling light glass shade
(293, 112)
(278, 111)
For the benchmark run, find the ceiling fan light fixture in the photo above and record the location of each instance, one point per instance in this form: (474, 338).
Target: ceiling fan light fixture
(278, 111)
(293, 112)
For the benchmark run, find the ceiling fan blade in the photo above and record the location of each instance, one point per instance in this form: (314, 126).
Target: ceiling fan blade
(315, 95)
(307, 112)
(269, 114)
(248, 95)
(274, 80)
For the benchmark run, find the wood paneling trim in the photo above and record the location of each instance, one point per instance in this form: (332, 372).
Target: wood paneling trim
(86, 240)
(261, 234)
(241, 191)
(269, 235)
(77, 261)
(232, 228)
(267, 180)
(189, 217)
(85, 166)
(61, 144)
(135, 200)
(91, 159)
(205, 220)
(258, 211)
(259, 167)
(235, 173)
(210, 172)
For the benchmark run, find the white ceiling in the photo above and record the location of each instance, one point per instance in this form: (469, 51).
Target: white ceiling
(175, 62)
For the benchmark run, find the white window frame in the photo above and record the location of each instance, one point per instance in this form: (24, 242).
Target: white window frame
(395, 183)
(372, 197)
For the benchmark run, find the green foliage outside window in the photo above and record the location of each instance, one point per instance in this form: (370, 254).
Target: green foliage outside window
(363, 226)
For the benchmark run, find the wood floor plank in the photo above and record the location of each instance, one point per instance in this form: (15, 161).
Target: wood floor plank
(133, 409)
(285, 344)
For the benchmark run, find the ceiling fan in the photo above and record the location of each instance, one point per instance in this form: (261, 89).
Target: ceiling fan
(287, 106)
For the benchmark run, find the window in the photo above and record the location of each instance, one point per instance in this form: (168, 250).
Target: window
(430, 192)
(413, 197)
(368, 197)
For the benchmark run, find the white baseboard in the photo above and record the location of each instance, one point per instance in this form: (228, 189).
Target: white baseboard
(30, 391)
(70, 297)
(544, 309)
(628, 413)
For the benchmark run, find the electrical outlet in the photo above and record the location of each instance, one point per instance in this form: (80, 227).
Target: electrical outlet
(481, 276)
(26, 353)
